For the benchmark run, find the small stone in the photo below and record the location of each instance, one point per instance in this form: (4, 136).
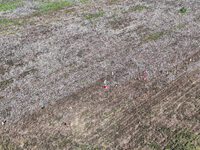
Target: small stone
(3, 122)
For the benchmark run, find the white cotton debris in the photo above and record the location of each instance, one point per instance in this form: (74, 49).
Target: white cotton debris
(105, 82)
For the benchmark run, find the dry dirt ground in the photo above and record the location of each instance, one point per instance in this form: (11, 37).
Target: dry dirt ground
(61, 59)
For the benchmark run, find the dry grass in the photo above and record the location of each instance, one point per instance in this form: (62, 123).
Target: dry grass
(61, 59)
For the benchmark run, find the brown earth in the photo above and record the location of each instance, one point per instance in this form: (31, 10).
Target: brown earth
(61, 59)
(135, 115)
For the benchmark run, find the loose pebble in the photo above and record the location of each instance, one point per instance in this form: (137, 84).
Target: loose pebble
(3, 122)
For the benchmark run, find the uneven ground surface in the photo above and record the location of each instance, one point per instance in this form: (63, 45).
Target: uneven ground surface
(61, 59)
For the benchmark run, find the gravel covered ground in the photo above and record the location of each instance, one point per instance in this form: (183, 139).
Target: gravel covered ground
(46, 56)
(22, 8)
(65, 51)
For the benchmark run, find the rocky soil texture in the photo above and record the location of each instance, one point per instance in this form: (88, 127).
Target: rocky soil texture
(59, 54)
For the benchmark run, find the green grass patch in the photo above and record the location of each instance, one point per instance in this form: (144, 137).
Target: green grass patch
(138, 7)
(84, 0)
(94, 15)
(5, 23)
(9, 22)
(114, 12)
(184, 140)
(9, 5)
(155, 36)
(45, 6)
(183, 10)
(179, 139)
(53, 5)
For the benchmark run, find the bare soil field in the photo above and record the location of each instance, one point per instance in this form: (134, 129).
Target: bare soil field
(61, 55)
